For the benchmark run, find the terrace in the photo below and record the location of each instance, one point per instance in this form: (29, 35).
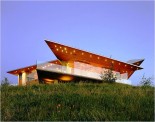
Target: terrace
(66, 70)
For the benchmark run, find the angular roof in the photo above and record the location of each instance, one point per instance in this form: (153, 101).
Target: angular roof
(67, 53)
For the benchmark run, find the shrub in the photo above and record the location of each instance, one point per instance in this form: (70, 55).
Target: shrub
(5, 82)
(108, 76)
(146, 81)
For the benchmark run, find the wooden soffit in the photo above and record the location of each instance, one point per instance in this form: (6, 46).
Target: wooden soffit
(67, 53)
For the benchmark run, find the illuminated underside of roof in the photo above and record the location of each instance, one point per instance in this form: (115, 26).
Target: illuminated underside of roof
(29, 68)
(66, 53)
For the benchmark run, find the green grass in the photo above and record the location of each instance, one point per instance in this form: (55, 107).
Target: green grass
(81, 102)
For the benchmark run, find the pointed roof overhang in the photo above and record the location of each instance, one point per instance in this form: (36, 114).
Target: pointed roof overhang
(137, 62)
(67, 53)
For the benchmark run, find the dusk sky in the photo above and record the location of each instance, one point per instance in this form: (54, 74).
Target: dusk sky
(123, 30)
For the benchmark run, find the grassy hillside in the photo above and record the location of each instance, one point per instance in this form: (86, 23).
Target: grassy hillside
(77, 102)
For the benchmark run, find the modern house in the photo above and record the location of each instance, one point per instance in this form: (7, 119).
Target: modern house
(74, 65)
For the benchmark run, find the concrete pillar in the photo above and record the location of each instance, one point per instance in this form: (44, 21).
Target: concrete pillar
(71, 65)
(20, 79)
(24, 78)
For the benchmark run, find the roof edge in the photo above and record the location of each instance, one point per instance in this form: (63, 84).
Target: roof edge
(48, 41)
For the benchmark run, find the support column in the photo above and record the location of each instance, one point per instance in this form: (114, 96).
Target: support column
(20, 79)
(69, 66)
(24, 78)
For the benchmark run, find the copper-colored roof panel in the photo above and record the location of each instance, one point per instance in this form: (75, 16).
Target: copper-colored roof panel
(24, 69)
(67, 53)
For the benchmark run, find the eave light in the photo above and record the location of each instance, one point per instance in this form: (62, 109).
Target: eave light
(70, 52)
(82, 53)
(57, 49)
(98, 57)
(55, 46)
(74, 51)
(125, 65)
(61, 50)
(48, 80)
(65, 48)
(119, 63)
(66, 78)
(105, 59)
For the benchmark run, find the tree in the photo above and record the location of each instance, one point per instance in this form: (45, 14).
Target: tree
(108, 76)
(146, 81)
(5, 82)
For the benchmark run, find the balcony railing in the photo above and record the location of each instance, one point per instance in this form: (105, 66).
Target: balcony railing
(75, 71)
